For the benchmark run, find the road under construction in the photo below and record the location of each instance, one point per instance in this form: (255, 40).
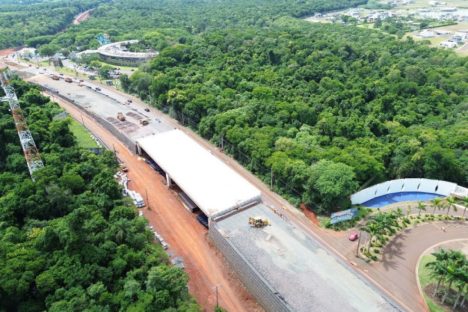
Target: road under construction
(288, 243)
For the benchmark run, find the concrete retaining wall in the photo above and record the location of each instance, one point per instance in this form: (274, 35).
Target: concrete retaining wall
(255, 284)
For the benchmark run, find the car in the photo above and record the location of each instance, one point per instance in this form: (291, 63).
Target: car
(353, 236)
(147, 109)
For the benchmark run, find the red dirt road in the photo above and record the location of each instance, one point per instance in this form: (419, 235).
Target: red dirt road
(397, 271)
(186, 237)
(82, 17)
(6, 52)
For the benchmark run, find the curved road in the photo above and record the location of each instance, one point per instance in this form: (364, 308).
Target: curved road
(397, 271)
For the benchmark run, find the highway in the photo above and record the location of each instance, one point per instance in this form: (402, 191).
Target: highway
(106, 103)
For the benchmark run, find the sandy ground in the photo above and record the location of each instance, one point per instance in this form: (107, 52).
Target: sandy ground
(82, 17)
(186, 237)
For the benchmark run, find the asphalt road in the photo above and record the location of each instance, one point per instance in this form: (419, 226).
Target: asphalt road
(394, 276)
(186, 237)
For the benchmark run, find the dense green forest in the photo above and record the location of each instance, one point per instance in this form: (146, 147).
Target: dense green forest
(161, 23)
(322, 110)
(69, 241)
(33, 21)
(325, 108)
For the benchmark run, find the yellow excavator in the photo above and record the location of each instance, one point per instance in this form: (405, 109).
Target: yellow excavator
(258, 222)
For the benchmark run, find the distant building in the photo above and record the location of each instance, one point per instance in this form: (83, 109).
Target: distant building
(117, 53)
(448, 44)
(27, 53)
(427, 34)
(442, 32)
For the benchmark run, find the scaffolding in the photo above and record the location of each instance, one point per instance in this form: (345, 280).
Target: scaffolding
(31, 153)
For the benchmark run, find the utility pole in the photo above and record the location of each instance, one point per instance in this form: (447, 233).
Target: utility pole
(271, 179)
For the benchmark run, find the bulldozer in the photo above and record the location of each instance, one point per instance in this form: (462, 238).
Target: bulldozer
(258, 222)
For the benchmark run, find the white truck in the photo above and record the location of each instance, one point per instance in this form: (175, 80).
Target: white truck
(137, 199)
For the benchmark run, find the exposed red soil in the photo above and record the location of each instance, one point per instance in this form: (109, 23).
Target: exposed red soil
(187, 238)
(82, 17)
(309, 214)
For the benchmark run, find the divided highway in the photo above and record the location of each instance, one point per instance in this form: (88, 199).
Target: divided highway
(204, 264)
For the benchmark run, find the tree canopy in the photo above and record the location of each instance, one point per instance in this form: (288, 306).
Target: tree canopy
(69, 241)
(285, 97)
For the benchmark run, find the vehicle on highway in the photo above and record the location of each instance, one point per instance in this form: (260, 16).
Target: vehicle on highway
(69, 80)
(55, 77)
(97, 89)
(353, 236)
(147, 109)
(120, 116)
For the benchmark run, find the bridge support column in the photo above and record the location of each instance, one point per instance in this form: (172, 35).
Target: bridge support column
(168, 180)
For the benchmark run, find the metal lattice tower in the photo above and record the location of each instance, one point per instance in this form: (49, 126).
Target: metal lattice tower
(31, 153)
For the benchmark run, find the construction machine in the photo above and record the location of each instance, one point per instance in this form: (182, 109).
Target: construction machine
(258, 222)
(120, 116)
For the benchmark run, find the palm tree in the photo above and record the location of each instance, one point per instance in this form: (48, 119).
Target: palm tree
(455, 270)
(421, 206)
(436, 203)
(465, 204)
(399, 213)
(372, 228)
(450, 277)
(438, 268)
(450, 204)
(461, 286)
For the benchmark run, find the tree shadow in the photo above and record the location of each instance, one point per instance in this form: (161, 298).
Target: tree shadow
(394, 250)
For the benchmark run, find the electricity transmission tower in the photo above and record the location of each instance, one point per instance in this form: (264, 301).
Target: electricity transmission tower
(31, 153)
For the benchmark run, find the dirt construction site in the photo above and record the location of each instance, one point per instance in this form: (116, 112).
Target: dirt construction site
(211, 280)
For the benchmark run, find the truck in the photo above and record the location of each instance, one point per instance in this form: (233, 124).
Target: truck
(136, 198)
(120, 116)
